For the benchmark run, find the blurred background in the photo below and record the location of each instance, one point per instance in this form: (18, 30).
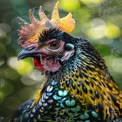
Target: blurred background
(100, 21)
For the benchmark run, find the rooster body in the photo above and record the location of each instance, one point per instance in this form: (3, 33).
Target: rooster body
(78, 88)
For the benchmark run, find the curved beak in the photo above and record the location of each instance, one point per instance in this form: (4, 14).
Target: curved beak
(27, 53)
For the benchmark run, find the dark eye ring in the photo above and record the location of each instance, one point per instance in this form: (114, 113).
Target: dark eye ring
(54, 45)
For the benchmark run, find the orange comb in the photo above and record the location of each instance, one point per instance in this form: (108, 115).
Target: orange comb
(29, 33)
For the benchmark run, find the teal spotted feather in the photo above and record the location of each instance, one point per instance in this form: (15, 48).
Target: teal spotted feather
(57, 105)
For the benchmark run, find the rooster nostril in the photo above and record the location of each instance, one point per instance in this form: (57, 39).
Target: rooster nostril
(30, 48)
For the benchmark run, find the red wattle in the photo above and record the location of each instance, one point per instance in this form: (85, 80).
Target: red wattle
(38, 65)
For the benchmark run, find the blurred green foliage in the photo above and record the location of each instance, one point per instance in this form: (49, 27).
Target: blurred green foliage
(99, 21)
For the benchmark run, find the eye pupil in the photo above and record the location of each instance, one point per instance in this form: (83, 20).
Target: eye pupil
(54, 45)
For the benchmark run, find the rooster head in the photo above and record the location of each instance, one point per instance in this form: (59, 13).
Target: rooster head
(45, 41)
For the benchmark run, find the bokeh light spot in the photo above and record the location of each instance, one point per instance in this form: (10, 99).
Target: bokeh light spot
(92, 1)
(22, 66)
(112, 31)
(69, 5)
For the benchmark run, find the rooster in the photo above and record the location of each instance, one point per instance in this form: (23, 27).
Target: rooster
(78, 86)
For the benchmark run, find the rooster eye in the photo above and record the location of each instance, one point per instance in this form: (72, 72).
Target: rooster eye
(54, 45)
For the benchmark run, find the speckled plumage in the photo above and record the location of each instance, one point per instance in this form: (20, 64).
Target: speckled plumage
(81, 91)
